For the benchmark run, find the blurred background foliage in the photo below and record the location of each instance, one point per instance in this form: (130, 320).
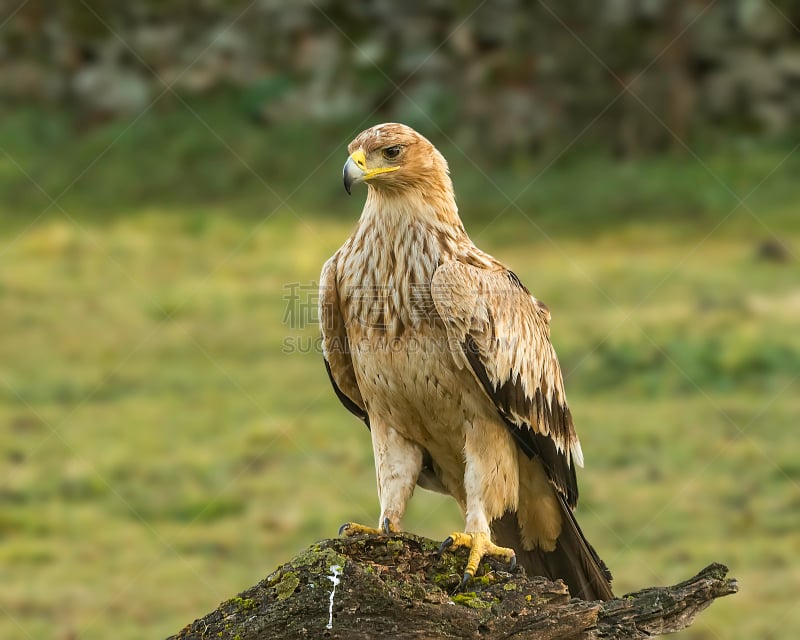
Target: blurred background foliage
(170, 186)
(512, 77)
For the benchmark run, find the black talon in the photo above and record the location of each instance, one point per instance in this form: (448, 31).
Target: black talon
(447, 542)
(513, 562)
(467, 577)
(387, 529)
(343, 528)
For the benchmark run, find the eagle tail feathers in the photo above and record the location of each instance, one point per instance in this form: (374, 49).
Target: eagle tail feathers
(573, 560)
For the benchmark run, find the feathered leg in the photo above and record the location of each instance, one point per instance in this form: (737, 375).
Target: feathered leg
(398, 463)
(491, 484)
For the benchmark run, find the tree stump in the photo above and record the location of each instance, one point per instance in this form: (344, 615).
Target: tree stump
(398, 586)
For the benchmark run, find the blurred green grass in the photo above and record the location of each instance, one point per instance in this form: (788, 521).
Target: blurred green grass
(162, 448)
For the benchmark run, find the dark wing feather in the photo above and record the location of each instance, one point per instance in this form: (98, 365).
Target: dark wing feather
(348, 403)
(335, 346)
(498, 330)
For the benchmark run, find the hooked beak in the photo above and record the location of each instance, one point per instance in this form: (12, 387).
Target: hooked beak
(355, 170)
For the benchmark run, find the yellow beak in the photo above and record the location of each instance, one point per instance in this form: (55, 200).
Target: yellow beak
(355, 170)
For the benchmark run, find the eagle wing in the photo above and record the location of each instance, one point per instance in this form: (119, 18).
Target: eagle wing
(335, 345)
(498, 330)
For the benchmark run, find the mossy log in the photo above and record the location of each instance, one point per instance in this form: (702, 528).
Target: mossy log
(399, 587)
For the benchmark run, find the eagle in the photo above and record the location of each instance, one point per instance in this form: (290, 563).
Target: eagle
(445, 355)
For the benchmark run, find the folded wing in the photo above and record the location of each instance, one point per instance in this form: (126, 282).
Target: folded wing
(335, 346)
(499, 331)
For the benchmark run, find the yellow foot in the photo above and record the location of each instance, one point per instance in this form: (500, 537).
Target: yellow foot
(480, 545)
(353, 529)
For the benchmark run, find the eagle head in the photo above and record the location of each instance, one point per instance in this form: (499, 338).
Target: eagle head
(392, 157)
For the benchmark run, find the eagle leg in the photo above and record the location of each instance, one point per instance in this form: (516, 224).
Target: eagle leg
(349, 529)
(479, 545)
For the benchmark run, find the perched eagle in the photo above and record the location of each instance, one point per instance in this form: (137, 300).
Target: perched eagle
(445, 355)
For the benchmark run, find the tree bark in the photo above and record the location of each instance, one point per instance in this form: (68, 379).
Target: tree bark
(398, 587)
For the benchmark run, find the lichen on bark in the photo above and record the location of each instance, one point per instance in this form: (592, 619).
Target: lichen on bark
(399, 586)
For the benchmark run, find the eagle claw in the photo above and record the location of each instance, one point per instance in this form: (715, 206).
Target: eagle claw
(448, 541)
(354, 529)
(479, 545)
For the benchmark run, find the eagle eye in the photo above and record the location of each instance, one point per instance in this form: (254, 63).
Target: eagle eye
(390, 153)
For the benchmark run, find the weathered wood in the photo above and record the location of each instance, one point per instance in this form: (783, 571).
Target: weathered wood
(398, 587)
